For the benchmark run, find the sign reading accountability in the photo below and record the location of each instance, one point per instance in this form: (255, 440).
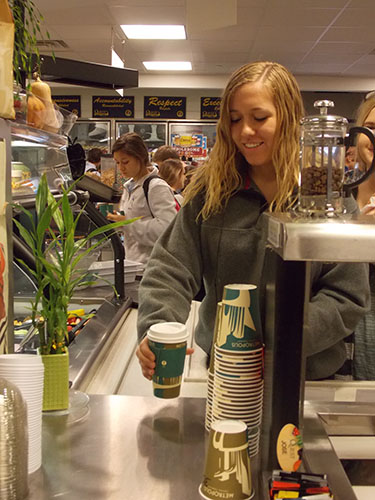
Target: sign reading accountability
(71, 103)
(164, 107)
(210, 108)
(104, 106)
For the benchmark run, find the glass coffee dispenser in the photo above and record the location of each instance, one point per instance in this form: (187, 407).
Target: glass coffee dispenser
(324, 179)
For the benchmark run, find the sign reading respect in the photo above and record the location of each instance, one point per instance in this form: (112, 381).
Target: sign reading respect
(164, 107)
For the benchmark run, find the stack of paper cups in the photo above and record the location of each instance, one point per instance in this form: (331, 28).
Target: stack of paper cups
(235, 386)
(211, 371)
(26, 371)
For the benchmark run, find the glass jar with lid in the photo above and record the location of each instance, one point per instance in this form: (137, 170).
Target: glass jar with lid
(322, 165)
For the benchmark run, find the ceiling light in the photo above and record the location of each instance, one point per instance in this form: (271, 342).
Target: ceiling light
(154, 31)
(168, 65)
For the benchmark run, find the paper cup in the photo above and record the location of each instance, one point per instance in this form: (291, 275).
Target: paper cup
(105, 208)
(240, 327)
(168, 342)
(227, 469)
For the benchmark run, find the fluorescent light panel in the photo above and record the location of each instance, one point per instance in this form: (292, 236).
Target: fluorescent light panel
(154, 31)
(168, 65)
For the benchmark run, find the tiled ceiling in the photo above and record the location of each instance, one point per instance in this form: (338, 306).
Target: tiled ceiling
(310, 37)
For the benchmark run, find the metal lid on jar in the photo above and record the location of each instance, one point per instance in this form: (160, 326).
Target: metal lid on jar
(324, 119)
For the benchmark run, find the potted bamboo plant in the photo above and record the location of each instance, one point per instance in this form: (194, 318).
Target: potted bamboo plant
(58, 253)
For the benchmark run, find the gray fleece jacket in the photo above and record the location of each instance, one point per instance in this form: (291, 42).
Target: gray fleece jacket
(229, 248)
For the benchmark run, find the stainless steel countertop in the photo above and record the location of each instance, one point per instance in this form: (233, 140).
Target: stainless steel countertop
(132, 448)
(346, 238)
(126, 448)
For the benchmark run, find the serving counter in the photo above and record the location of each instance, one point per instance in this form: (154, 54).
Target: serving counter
(130, 447)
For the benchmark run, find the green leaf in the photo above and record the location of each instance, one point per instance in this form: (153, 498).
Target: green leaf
(25, 235)
(41, 195)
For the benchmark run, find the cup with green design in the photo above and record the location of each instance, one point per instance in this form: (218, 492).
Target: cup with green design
(240, 326)
(227, 467)
(168, 342)
(105, 208)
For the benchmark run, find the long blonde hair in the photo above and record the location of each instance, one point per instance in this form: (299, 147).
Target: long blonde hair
(219, 177)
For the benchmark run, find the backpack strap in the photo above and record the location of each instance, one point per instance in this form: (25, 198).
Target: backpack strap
(146, 185)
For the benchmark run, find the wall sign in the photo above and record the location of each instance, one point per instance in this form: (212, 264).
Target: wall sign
(104, 106)
(164, 107)
(71, 103)
(210, 108)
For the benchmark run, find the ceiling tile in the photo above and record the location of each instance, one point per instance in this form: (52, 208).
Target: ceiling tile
(102, 32)
(341, 48)
(300, 34)
(218, 46)
(314, 58)
(301, 17)
(277, 34)
(146, 3)
(322, 68)
(341, 34)
(224, 57)
(309, 4)
(155, 14)
(164, 55)
(357, 17)
(78, 15)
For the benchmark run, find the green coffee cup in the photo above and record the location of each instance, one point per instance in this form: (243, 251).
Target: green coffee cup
(168, 342)
(105, 208)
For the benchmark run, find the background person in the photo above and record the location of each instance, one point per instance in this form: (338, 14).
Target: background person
(173, 172)
(219, 233)
(131, 155)
(364, 336)
(164, 153)
(94, 156)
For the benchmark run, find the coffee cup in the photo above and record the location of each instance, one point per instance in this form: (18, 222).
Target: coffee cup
(240, 326)
(105, 208)
(227, 468)
(168, 342)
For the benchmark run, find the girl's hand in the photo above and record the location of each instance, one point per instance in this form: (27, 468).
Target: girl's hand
(146, 358)
(115, 216)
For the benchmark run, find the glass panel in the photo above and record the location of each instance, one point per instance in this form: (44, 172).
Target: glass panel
(35, 153)
(153, 133)
(192, 140)
(92, 133)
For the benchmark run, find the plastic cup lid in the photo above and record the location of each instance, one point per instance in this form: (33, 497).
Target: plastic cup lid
(168, 333)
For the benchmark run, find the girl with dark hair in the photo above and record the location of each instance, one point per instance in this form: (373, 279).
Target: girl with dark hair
(156, 211)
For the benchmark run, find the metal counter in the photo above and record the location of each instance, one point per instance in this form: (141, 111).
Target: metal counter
(125, 448)
(345, 238)
(132, 448)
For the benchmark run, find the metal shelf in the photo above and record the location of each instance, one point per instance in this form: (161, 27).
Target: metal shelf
(347, 238)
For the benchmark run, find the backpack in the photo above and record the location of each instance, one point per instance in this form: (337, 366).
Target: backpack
(146, 185)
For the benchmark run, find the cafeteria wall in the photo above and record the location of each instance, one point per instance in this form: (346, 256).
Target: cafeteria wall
(346, 103)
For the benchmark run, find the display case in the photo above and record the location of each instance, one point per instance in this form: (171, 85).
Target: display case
(36, 152)
(153, 133)
(192, 139)
(33, 153)
(92, 133)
